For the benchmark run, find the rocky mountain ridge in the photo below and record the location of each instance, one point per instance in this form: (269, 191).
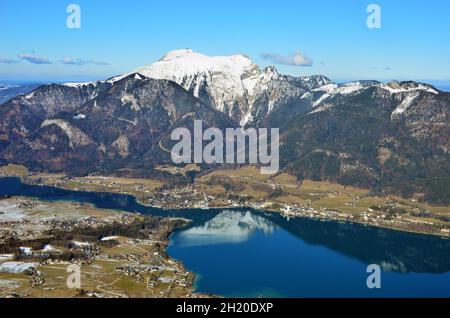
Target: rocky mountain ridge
(392, 137)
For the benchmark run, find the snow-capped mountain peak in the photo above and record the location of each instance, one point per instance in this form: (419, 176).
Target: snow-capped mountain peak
(231, 84)
(223, 81)
(184, 62)
(236, 86)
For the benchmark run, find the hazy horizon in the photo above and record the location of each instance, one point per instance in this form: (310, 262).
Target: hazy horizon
(303, 38)
(443, 85)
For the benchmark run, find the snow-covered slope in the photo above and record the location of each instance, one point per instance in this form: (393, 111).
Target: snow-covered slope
(224, 81)
(405, 93)
(232, 84)
(236, 86)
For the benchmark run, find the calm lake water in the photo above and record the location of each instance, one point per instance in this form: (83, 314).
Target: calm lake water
(241, 252)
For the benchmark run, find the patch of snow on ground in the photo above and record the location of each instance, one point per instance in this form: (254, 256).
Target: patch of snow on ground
(48, 248)
(420, 87)
(404, 105)
(6, 257)
(321, 108)
(248, 118)
(109, 238)
(26, 250)
(16, 267)
(321, 99)
(349, 88)
(76, 85)
(10, 212)
(328, 88)
(80, 244)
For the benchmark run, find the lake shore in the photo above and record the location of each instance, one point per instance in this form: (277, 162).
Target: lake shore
(392, 249)
(115, 259)
(244, 188)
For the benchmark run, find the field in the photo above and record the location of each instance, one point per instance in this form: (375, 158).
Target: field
(246, 186)
(100, 278)
(327, 199)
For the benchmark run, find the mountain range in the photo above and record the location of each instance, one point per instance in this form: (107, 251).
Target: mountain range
(8, 91)
(392, 137)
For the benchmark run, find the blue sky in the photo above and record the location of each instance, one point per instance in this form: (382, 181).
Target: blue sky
(119, 36)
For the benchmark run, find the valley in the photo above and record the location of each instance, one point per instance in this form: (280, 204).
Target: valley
(121, 246)
(391, 138)
(204, 158)
(100, 188)
(45, 238)
(245, 187)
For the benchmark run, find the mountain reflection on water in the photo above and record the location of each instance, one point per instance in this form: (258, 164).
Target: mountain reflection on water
(227, 227)
(394, 250)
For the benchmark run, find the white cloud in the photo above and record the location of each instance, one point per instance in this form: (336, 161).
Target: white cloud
(294, 59)
(35, 59)
(384, 68)
(8, 61)
(80, 62)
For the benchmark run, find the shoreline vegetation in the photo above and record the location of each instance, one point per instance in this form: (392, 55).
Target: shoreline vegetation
(247, 188)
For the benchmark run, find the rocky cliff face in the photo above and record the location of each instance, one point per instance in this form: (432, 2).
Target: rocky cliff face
(373, 136)
(232, 84)
(392, 137)
(107, 129)
(24, 114)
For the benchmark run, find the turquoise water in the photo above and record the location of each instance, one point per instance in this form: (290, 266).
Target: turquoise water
(241, 252)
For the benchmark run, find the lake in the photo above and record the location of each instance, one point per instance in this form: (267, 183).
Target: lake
(249, 253)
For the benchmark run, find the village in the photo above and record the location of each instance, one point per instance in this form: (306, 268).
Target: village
(37, 245)
(247, 188)
(40, 240)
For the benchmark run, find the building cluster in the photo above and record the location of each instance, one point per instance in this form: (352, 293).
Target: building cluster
(188, 196)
